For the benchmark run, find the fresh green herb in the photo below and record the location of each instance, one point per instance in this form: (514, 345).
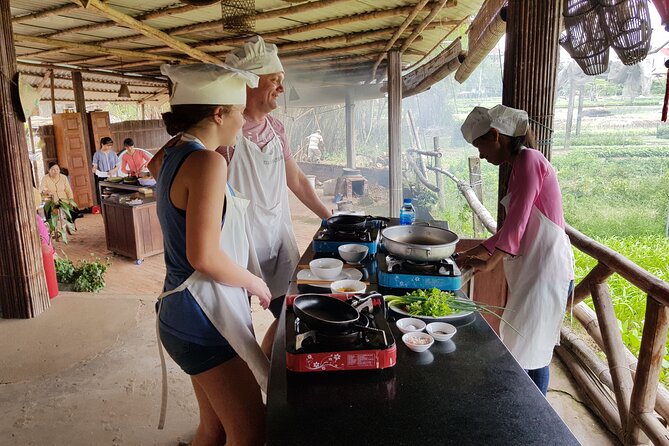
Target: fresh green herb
(87, 276)
(64, 270)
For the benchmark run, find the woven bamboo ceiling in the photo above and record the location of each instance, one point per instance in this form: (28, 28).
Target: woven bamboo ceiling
(331, 41)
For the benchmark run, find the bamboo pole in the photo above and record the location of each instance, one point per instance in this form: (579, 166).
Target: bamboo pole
(412, 15)
(149, 31)
(614, 350)
(89, 80)
(394, 131)
(652, 350)
(350, 132)
(620, 264)
(438, 180)
(65, 45)
(436, 9)
(53, 94)
(598, 274)
(603, 404)
(379, 45)
(22, 281)
(588, 319)
(44, 13)
(453, 29)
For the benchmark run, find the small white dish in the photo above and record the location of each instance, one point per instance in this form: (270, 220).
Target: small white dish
(326, 269)
(410, 325)
(348, 286)
(418, 341)
(306, 276)
(441, 331)
(353, 253)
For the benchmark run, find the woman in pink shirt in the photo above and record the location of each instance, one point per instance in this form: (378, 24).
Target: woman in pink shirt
(133, 160)
(537, 255)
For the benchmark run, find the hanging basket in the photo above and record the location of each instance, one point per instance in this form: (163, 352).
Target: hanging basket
(586, 33)
(628, 28)
(591, 64)
(574, 8)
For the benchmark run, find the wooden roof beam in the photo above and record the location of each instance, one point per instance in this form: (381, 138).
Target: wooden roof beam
(45, 13)
(378, 45)
(126, 20)
(97, 90)
(28, 64)
(156, 13)
(71, 101)
(451, 31)
(65, 45)
(91, 81)
(416, 9)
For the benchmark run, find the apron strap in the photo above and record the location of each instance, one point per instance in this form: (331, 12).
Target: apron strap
(163, 369)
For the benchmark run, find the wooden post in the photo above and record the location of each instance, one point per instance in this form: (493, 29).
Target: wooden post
(23, 291)
(394, 131)
(652, 350)
(475, 183)
(439, 180)
(579, 113)
(570, 115)
(53, 93)
(143, 111)
(350, 132)
(33, 164)
(615, 352)
(533, 30)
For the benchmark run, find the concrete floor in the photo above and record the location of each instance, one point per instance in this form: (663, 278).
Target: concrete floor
(86, 372)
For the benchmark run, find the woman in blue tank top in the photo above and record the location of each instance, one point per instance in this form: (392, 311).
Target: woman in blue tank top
(192, 208)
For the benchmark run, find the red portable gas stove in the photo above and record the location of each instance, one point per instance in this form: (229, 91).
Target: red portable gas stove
(369, 344)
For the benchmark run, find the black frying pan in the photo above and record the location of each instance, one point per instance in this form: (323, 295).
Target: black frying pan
(323, 312)
(351, 223)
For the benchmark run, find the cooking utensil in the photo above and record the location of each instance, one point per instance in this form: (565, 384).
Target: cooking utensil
(419, 243)
(352, 223)
(322, 312)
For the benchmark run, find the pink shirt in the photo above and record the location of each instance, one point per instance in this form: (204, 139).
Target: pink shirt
(134, 163)
(260, 133)
(533, 182)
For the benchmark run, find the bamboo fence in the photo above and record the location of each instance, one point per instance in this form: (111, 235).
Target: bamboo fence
(23, 292)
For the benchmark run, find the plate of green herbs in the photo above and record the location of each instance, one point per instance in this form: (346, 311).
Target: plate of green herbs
(435, 305)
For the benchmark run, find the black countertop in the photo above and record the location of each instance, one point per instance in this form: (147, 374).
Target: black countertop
(466, 391)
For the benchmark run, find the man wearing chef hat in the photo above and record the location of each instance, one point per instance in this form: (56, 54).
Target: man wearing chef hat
(261, 166)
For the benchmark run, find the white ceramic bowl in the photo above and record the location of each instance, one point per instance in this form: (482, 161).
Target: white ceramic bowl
(147, 182)
(326, 269)
(348, 286)
(441, 331)
(410, 325)
(353, 253)
(417, 341)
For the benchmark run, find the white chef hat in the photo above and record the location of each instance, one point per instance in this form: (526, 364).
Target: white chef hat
(256, 56)
(208, 84)
(508, 121)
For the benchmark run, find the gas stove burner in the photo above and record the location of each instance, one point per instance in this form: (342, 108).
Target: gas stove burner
(443, 267)
(419, 267)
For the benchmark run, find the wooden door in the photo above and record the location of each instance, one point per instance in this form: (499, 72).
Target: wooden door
(99, 128)
(73, 155)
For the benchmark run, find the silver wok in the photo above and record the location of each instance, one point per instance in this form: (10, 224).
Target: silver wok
(419, 243)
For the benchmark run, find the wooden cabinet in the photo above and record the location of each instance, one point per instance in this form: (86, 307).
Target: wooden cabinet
(132, 230)
(73, 155)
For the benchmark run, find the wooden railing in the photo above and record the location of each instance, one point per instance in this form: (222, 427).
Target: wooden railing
(632, 412)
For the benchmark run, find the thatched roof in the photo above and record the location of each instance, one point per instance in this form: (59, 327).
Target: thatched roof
(333, 41)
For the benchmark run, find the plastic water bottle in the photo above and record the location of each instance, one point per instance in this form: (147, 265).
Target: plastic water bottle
(407, 213)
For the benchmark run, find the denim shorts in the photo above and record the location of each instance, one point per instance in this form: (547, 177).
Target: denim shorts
(195, 358)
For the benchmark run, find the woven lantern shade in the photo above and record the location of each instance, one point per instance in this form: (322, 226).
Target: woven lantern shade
(239, 16)
(628, 28)
(585, 39)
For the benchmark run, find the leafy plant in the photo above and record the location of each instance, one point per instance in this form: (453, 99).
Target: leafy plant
(65, 270)
(87, 276)
(53, 209)
(90, 276)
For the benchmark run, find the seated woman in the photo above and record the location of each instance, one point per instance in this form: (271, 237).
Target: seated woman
(57, 187)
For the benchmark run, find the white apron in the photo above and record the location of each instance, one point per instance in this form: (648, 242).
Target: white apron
(227, 308)
(261, 176)
(538, 279)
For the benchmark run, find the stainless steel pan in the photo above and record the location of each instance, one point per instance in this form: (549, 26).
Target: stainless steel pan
(419, 243)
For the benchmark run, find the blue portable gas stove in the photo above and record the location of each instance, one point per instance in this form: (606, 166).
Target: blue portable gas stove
(327, 240)
(399, 273)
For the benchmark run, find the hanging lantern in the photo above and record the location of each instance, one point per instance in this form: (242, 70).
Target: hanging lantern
(124, 91)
